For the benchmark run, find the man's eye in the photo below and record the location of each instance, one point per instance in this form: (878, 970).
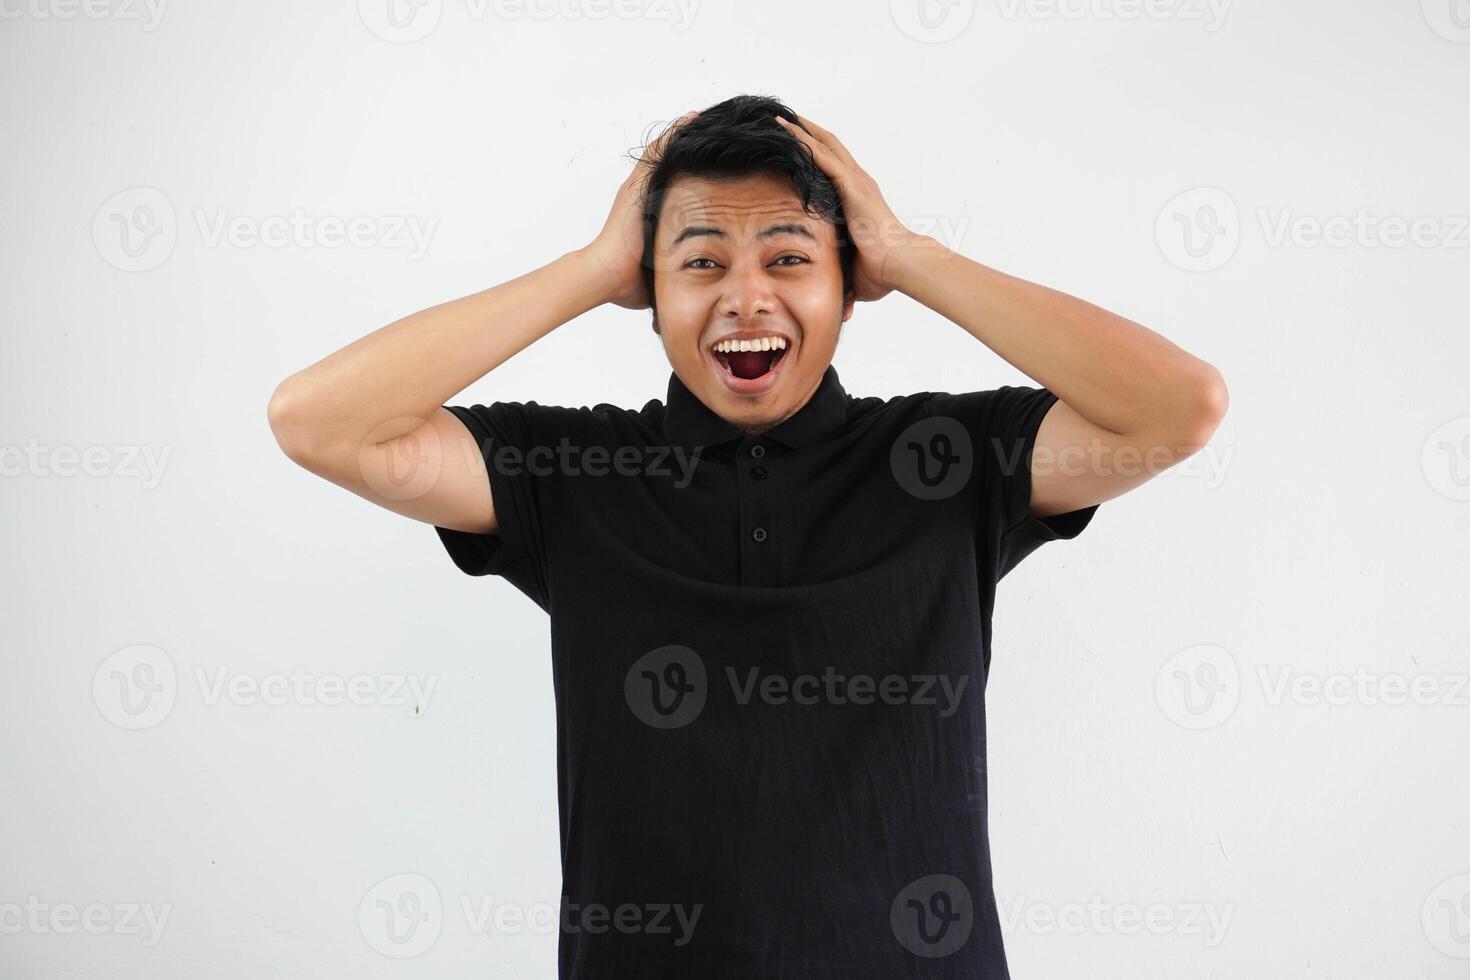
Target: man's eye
(694, 262)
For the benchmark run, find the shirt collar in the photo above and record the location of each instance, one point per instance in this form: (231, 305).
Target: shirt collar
(689, 422)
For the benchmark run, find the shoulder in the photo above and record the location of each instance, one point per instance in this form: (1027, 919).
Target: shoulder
(1003, 419)
(964, 406)
(1003, 408)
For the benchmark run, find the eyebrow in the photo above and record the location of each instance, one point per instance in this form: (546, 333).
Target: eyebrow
(786, 228)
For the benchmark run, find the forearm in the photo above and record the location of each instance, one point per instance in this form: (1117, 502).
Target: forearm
(392, 380)
(1117, 374)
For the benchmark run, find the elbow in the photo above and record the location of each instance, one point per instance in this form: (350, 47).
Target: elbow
(1206, 401)
(286, 412)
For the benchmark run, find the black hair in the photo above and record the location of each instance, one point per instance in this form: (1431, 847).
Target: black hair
(739, 138)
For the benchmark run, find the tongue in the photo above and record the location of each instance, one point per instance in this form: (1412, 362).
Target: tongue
(750, 364)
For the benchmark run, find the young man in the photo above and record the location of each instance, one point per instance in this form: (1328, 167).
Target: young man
(770, 601)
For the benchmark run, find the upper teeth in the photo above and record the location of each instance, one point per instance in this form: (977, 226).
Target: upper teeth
(763, 343)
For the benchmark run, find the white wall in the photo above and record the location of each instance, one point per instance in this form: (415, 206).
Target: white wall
(1322, 536)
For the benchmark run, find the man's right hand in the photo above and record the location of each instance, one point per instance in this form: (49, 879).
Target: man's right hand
(618, 248)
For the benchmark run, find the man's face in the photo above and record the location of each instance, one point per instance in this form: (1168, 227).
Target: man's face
(749, 299)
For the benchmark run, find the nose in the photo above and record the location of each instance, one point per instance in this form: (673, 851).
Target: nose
(748, 293)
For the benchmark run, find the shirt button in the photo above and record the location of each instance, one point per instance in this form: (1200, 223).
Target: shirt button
(757, 450)
(759, 473)
(759, 534)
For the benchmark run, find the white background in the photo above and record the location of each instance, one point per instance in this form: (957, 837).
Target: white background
(1321, 536)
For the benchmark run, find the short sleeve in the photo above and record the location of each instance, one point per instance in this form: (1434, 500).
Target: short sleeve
(506, 433)
(1002, 424)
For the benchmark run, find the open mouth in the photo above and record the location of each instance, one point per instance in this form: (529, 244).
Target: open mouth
(750, 359)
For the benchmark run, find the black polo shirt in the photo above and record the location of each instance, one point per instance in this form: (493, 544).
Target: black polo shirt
(769, 657)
